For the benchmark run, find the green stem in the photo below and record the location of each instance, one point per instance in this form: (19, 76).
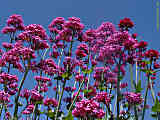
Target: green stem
(60, 99)
(131, 73)
(152, 91)
(74, 100)
(136, 73)
(89, 74)
(145, 100)
(19, 90)
(5, 109)
(132, 85)
(57, 82)
(1, 111)
(106, 115)
(118, 92)
(70, 49)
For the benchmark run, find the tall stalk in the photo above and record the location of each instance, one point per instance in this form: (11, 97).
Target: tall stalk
(18, 94)
(145, 100)
(146, 93)
(34, 114)
(60, 98)
(132, 86)
(118, 93)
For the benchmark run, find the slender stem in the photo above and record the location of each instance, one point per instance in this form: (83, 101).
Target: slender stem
(57, 82)
(135, 111)
(132, 85)
(36, 106)
(76, 81)
(118, 92)
(5, 109)
(152, 91)
(19, 90)
(89, 74)
(109, 106)
(106, 115)
(131, 73)
(136, 73)
(70, 49)
(70, 108)
(1, 111)
(145, 100)
(60, 99)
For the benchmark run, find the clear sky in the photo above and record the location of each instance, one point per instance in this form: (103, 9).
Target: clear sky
(91, 12)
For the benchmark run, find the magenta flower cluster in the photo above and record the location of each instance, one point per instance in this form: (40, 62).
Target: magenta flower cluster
(75, 73)
(133, 98)
(86, 108)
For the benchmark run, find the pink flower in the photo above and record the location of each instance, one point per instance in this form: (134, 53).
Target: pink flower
(42, 79)
(103, 97)
(56, 25)
(107, 28)
(29, 109)
(50, 102)
(134, 35)
(16, 21)
(126, 23)
(123, 85)
(36, 96)
(88, 108)
(74, 24)
(133, 98)
(32, 31)
(27, 53)
(25, 93)
(142, 44)
(7, 30)
(82, 50)
(4, 97)
(152, 54)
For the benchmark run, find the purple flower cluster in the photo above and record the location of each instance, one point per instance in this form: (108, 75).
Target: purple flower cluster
(95, 67)
(4, 97)
(133, 98)
(103, 97)
(35, 35)
(82, 50)
(29, 109)
(86, 108)
(14, 23)
(50, 102)
(10, 81)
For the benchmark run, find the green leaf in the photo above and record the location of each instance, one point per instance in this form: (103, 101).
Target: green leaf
(120, 78)
(125, 105)
(88, 71)
(146, 62)
(87, 91)
(66, 75)
(68, 117)
(147, 71)
(156, 107)
(39, 102)
(42, 112)
(51, 114)
(138, 87)
(101, 88)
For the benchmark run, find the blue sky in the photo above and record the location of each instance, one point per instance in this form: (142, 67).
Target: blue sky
(91, 12)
